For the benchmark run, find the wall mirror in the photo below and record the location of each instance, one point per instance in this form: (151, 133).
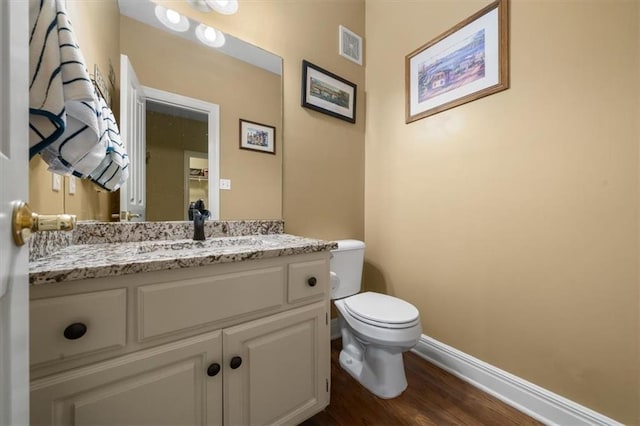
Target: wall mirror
(244, 80)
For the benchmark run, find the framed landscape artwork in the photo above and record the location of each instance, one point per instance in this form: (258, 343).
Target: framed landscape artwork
(327, 93)
(467, 62)
(257, 137)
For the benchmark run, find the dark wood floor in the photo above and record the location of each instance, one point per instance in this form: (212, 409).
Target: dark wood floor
(434, 397)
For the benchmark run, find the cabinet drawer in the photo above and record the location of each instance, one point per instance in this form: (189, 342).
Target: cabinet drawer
(180, 305)
(103, 313)
(307, 279)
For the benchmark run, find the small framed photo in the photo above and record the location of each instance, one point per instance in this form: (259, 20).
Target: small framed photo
(257, 137)
(467, 62)
(327, 93)
(350, 45)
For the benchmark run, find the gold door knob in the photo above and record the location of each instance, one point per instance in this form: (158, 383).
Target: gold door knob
(26, 222)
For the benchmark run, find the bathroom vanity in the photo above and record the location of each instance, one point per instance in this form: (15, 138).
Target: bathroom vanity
(232, 331)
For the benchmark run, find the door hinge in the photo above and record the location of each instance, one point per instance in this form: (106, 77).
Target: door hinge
(326, 318)
(327, 382)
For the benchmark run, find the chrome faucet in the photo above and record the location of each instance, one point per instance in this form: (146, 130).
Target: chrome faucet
(198, 226)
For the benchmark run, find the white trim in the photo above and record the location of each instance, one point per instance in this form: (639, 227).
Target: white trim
(213, 114)
(539, 403)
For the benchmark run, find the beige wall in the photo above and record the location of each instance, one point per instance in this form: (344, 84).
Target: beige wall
(101, 48)
(512, 222)
(167, 62)
(323, 179)
(168, 137)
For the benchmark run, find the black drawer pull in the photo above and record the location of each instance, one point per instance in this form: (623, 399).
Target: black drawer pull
(213, 369)
(75, 331)
(236, 362)
(312, 281)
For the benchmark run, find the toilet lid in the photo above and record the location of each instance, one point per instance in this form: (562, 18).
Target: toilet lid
(382, 309)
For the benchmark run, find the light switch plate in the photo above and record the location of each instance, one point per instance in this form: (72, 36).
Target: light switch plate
(56, 182)
(225, 184)
(72, 185)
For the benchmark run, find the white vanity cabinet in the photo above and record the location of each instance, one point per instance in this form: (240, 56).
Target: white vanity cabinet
(243, 343)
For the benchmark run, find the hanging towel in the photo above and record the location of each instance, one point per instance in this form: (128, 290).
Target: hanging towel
(58, 75)
(82, 146)
(71, 125)
(113, 170)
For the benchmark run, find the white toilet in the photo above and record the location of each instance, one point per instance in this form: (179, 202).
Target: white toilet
(376, 328)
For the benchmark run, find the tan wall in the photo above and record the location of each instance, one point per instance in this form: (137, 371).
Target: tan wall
(323, 182)
(512, 222)
(638, 253)
(102, 48)
(42, 198)
(168, 137)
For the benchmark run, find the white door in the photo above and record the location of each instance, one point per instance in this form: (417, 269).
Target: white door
(133, 129)
(14, 168)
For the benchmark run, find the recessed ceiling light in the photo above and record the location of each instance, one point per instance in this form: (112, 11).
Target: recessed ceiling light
(171, 19)
(225, 7)
(200, 5)
(210, 36)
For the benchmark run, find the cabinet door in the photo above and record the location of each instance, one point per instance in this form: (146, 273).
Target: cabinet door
(284, 374)
(166, 385)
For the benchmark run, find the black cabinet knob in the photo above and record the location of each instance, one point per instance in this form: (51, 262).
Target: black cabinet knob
(213, 369)
(312, 281)
(236, 362)
(75, 331)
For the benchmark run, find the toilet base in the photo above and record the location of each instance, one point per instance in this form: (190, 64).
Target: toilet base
(380, 370)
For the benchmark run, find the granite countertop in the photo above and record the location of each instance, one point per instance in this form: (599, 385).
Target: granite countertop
(80, 261)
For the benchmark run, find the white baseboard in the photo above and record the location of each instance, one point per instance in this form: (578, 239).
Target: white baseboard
(541, 404)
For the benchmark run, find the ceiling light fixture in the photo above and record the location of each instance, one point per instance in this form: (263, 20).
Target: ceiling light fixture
(210, 36)
(171, 19)
(200, 5)
(224, 7)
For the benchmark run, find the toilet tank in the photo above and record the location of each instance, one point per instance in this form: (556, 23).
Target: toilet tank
(346, 268)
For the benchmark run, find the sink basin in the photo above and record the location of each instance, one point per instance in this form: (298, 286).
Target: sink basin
(233, 243)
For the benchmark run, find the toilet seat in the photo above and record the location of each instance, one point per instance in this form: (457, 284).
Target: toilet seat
(382, 310)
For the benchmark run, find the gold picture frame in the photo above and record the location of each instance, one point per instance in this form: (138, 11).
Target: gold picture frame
(465, 63)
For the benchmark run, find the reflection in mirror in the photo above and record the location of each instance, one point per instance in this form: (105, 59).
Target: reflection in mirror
(246, 88)
(167, 61)
(177, 161)
(196, 180)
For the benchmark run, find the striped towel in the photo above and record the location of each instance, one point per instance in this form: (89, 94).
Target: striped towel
(68, 123)
(113, 170)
